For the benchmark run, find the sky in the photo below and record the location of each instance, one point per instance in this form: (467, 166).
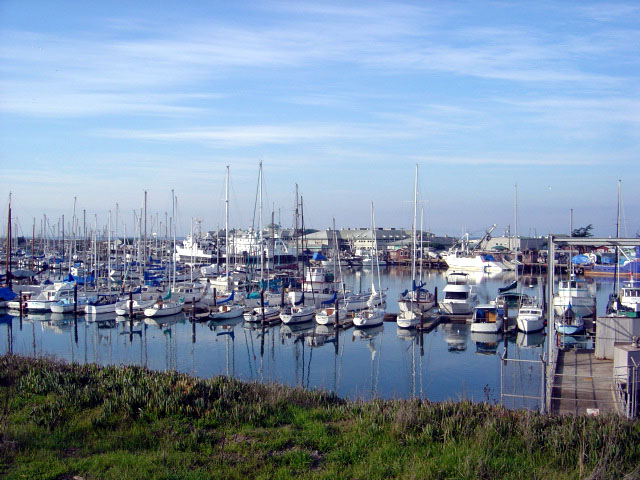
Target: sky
(495, 101)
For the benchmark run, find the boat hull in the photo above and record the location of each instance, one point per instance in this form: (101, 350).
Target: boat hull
(369, 318)
(408, 319)
(163, 311)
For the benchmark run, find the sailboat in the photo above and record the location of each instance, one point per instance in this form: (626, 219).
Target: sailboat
(373, 315)
(572, 301)
(413, 303)
(573, 297)
(328, 314)
(224, 283)
(625, 299)
(164, 306)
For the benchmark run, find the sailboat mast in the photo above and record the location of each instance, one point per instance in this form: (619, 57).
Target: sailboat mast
(73, 225)
(617, 272)
(516, 243)
(297, 232)
(226, 227)
(570, 247)
(421, 233)
(413, 230)
(260, 239)
(9, 282)
(144, 240)
(109, 252)
(375, 250)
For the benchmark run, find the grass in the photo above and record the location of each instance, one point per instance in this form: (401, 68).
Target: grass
(58, 421)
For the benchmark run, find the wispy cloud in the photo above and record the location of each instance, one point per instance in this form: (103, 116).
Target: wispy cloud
(257, 134)
(155, 65)
(608, 11)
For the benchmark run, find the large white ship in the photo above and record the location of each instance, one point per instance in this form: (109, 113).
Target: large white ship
(461, 257)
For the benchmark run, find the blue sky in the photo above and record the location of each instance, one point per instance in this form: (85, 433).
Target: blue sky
(103, 100)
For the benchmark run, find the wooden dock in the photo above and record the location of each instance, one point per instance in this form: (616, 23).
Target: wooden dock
(582, 384)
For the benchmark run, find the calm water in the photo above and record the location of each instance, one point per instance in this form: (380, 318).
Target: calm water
(447, 363)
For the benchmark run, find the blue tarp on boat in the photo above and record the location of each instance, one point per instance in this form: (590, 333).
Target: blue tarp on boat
(318, 256)
(331, 300)
(7, 294)
(580, 260)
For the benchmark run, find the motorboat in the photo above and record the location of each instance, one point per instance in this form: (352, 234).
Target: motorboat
(486, 319)
(530, 318)
(459, 296)
(51, 294)
(627, 302)
(67, 305)
(574, 294)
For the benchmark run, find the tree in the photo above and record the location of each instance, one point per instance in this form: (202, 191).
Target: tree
(582, 231)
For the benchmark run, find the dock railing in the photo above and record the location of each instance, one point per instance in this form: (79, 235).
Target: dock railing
(519, 390)
(626, 384)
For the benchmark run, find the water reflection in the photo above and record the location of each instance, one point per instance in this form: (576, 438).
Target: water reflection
(384, 361)
(530, 340)
(456, 335)
(486, 343)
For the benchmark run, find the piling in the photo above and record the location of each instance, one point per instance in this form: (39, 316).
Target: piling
(130, 304)
(262, 305)
(337, 318)
(215, 297)
(75, 300)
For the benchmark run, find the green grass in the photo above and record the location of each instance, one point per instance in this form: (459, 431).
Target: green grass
(58, 421)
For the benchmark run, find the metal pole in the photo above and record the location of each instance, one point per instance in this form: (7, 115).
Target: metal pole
(550, 324)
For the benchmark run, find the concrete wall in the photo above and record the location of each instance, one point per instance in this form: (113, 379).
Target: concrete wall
(610, 330)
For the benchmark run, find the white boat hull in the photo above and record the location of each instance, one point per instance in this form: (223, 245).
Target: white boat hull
(408, 319)
(297, 315)
(487, 327)
(583, 307)
(530, 323)
(327, 316)
(369, 318)
(255, 315)
(163, 311)
(226, 312)
(456, 308)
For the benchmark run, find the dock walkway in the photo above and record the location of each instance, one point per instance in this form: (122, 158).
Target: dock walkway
(583, 384)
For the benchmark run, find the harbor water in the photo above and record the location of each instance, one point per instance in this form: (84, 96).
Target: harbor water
(446, 363)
